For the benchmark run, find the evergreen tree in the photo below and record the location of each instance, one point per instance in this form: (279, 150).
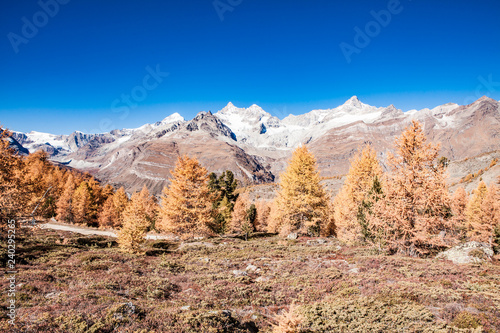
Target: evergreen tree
(302, 205)
(223, 190)
(365, 209)
(187, 202)
(347, 204)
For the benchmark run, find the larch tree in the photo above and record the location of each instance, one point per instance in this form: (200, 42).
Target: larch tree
(64, 204)
(414, 214)
(107, 191)
(302, 204)
(459, 202)
(81, 204)
(244, 216)
(108, 215)
(483, 213)
(37, 181)
(96, 200)
(13, 196)
(150, 205)
(136, 222)
(187, 208)
(364, 168)
(263, 212)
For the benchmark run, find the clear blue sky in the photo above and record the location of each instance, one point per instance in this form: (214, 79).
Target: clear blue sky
(282, 55)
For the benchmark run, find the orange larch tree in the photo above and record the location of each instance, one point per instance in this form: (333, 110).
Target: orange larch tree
(187, 203)
(302, 204)
(136, 222)
(483, 213)
(414, 214)
(364, 168)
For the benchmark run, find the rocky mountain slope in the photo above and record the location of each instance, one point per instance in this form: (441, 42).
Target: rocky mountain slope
(256, 145)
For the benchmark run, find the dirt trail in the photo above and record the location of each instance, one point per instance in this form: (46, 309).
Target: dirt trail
(87, 231)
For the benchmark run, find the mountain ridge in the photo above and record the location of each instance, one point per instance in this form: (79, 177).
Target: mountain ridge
(255, 145)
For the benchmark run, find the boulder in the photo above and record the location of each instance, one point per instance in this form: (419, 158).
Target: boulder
(466, 253)
(240, 273)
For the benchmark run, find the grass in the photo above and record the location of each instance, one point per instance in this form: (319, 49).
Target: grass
(73, 283)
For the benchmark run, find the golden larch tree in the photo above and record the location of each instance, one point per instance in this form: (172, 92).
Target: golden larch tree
(111, 214)
(364, 168)
(150, 205)
(302, 204)
(81, 203)
(263, 212)
(13, 195)
(240, 219)
(483, 213)
(459, 202)
(187, 202)
(414, 214)
(136, 222)
(108, 215)
(64, 203)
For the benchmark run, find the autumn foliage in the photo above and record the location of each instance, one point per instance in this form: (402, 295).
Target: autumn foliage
(414, 214)
(483, 213)
(302, 204)
(187, 203)
(364, 168)
(137, 218)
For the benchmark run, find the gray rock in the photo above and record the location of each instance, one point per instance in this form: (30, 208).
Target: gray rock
(252, 268)
(263, 278)
(239, 273)
(354, 270)
(293, 236)
(194, 244)
(186, 308)
(318, 241)
(470, 252)
(53, 294)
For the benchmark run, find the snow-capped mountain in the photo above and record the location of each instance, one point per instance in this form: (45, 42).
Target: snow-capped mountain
(255, 145)
(259, 129)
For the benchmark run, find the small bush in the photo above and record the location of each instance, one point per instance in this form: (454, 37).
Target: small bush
(466, 320)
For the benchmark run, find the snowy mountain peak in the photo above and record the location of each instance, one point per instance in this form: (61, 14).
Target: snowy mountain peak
(354, 101)
(175, 117)
(230, 108)
(252, 112)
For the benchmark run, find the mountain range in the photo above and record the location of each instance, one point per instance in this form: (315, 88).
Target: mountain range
(256, 145)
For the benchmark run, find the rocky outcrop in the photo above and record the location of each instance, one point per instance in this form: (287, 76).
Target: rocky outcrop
(471, 252)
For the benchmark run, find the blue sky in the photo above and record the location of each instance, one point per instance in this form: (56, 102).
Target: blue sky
(75, 70)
